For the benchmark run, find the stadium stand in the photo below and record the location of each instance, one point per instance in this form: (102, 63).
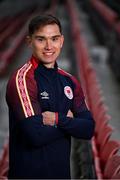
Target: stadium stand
(95, 103)
(105, 160)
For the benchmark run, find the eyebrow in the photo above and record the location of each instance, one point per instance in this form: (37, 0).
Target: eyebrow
(43, 37)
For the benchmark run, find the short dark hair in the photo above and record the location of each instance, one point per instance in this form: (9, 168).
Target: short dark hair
(43, 20)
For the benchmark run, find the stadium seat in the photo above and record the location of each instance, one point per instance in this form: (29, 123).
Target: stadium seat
(104, 134)
(110, 149)
(112, 168)
(4, 162)
(96, 159)
(102, 120)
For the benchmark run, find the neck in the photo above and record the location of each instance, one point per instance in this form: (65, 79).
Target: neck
(49, 65)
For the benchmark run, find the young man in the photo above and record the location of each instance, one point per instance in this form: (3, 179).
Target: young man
(46, 107)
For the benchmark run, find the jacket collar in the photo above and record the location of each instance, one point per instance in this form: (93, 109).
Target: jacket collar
(35, 62)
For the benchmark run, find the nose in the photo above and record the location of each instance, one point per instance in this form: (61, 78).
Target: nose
(48, 45)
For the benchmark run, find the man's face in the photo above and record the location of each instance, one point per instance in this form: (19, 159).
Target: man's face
(46, 44)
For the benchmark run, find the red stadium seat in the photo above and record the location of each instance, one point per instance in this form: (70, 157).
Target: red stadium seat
(110, 149)
(103, 135)
(107, 13)
(4, 163)
(116, 176)
(112, 168)
(96, 160)
(102, 121)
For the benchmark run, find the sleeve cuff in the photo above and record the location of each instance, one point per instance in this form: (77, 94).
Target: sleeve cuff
(56, 118)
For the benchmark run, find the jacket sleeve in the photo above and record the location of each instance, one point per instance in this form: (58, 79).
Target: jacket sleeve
(32, 132)
(25, 118)
(82, 124)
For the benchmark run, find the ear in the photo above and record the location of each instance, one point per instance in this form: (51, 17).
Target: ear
(29, 41)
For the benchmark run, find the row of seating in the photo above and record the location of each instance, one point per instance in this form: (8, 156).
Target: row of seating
(113, 4)
(14, 28)
(104, 147)
(4, 161)
(106, 23)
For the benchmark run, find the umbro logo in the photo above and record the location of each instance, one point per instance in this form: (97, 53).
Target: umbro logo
(44, 95)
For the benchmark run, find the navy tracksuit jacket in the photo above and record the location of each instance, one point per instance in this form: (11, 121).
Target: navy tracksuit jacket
(37, 150)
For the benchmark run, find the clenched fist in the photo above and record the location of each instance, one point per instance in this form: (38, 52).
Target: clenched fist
(49, 118)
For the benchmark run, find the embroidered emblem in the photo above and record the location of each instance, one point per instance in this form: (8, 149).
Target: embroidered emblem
(68, 92)
(44, 95)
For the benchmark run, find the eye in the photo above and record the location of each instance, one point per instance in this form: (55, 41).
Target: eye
(55, 38)
(40, 39)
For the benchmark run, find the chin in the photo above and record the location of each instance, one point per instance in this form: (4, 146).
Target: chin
(47, 61)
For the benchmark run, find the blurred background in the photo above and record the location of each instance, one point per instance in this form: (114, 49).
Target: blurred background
(91, 52)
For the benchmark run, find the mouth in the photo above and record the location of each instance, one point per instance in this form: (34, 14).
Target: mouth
(48, 53)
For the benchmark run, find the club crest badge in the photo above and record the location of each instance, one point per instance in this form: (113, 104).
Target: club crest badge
(68, 92)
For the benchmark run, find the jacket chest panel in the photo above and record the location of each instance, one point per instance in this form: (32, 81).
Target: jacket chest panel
(46, 96)
(56, 95)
